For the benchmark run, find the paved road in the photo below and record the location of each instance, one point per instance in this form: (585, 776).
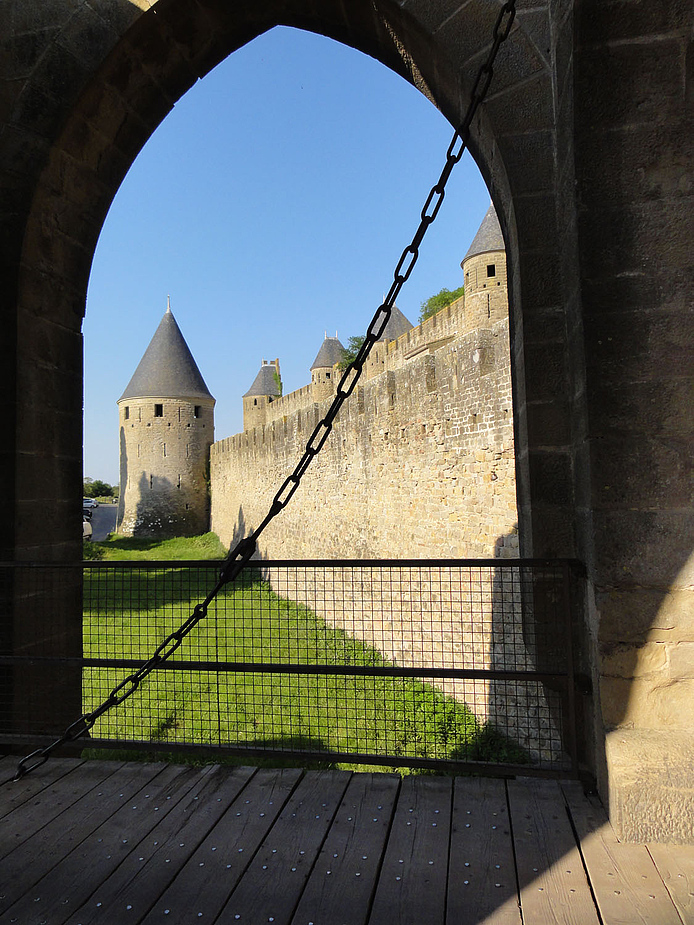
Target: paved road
(103, 520)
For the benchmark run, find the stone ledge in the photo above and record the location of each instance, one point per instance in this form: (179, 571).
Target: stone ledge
(651, 785)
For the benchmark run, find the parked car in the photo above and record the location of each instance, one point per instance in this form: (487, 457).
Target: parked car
(89, 502)
(87, 513)
(86, 529)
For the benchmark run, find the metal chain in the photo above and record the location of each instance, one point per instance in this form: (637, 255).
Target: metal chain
(243, 551)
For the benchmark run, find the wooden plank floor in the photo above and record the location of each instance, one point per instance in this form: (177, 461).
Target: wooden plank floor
(89, 842)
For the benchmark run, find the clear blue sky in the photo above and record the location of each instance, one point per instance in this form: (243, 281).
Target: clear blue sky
(272, 205)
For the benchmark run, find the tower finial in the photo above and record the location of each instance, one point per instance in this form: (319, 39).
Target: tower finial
(168, 304)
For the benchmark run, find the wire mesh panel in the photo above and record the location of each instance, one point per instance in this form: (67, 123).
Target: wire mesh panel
(400, 663)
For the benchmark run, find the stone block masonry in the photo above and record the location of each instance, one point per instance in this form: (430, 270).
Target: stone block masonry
(420, 463)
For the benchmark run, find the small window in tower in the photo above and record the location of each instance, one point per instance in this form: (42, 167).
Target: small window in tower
(179, 482)
(163, 446)
(158, 411)
(196, 411)
(327, 375)
(491, 269)
(126, 413)
(151, 481)
(255, 401)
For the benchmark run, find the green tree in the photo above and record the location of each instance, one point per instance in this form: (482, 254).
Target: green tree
(441, 300)
(351, 350)
(95, 488)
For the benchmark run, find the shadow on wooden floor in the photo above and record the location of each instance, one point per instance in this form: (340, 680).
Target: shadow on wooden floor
(107, 842)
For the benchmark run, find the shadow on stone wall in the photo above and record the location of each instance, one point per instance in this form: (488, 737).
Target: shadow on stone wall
(241, 530)
(527, 634)
(160, 511)
(123, 476)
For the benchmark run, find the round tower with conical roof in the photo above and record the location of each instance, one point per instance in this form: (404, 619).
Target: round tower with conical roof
(323, 376)
(484, 269)
(166, 416)
(267, 386)
(397, 325)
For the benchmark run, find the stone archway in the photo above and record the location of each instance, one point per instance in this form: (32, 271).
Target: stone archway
(158, 58)
(108, 110)
(599, 282)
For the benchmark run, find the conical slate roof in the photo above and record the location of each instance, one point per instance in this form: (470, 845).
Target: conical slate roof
(397, 325)
(265, 383)
(488, 237)
(167, 369)
(330, 353)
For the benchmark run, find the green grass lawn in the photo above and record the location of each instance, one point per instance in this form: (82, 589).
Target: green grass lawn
(206, 546)
(249, 623)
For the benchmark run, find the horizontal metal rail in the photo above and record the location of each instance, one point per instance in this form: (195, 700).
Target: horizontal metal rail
(114, 565)
(366, 671)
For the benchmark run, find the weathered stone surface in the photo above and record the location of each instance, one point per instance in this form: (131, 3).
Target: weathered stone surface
(637, 614)
(681, 660)
(625, 661)
(651, 787)
(654, 703)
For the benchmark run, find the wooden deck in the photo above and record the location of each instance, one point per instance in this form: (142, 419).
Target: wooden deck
(104, 842)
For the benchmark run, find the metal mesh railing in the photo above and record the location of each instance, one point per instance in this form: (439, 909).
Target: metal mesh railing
(420, 663)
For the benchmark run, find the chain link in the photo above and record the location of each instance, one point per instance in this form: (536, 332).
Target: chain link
(244, 550)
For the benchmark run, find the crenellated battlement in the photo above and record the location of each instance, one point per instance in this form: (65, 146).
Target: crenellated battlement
(428, 336)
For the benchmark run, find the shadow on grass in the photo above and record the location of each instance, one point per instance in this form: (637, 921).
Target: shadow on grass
(129, 542)
(489, 744)
(252, 755)
(309, 753)
(117, 547)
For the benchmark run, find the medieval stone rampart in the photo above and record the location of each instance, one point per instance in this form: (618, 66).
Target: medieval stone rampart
(420, 461)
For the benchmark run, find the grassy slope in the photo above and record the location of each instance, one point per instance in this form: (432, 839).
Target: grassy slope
(252, 624)
(206, 546)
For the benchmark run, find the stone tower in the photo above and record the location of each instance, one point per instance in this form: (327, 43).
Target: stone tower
(323, 376)
(267, 386)
(166, 416)
(397, 325)
(484, 269)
